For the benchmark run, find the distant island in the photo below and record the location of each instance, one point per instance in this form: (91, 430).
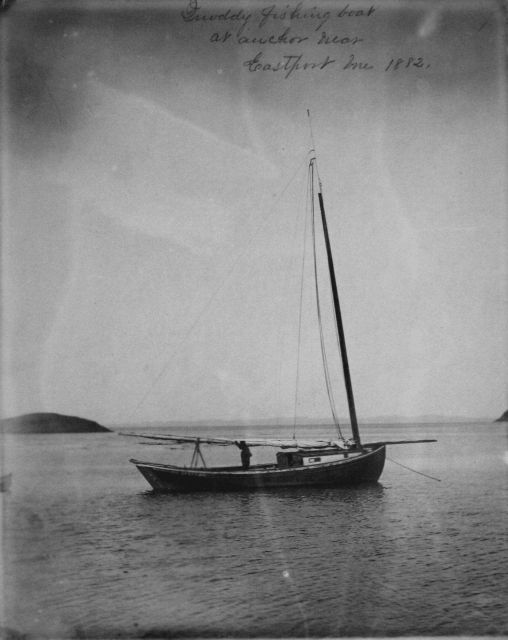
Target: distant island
(49, 423)
(503, 418)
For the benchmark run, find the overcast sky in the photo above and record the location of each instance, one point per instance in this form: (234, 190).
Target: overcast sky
(153, 207)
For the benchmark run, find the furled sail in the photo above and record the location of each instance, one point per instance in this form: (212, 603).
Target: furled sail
(255, 442)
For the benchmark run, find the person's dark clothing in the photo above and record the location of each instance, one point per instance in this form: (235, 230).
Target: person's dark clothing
(245, 454)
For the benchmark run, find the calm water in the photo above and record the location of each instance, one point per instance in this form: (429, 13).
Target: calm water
(89, 551)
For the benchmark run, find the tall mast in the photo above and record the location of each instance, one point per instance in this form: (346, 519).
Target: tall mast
(338, 319)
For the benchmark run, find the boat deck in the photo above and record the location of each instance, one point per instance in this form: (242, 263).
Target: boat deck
(234, 469)
(253, 468)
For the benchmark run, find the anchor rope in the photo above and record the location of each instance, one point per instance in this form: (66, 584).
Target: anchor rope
(420, 473)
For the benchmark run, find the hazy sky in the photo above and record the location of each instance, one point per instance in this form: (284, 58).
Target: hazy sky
(153, 202)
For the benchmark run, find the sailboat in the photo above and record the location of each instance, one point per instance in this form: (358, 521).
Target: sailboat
(298, 463)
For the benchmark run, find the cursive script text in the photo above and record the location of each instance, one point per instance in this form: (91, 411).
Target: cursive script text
(288, 64)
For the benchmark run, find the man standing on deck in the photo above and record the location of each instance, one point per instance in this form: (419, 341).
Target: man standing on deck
(245, 453)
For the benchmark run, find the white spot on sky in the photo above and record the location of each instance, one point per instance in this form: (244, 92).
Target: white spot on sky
(429, 24)
(285, 573)
(220, 72)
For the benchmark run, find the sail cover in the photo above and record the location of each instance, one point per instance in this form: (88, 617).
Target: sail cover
(256, 442)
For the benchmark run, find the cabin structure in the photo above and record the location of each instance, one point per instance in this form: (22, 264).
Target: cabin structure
(305, 458)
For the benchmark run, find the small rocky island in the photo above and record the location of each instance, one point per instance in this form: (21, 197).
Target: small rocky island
(49, 423)
(503, 418)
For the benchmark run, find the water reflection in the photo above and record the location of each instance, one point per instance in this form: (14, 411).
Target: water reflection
(317, 493)
(414, 556)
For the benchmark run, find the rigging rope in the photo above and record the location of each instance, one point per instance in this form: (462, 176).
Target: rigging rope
(215, 293)
(314, 150)
(297, 381)
(314, 163)
(329, 388)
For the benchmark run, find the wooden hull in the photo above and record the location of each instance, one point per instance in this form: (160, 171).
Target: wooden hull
(359, 469)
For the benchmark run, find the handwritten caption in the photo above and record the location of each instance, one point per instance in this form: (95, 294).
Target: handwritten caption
(273, 26)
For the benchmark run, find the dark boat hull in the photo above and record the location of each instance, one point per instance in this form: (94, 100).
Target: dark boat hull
(359, 469)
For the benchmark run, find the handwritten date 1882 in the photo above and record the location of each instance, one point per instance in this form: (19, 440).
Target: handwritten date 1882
(397, 64)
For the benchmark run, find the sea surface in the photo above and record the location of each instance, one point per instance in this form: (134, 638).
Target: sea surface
(89, 551)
